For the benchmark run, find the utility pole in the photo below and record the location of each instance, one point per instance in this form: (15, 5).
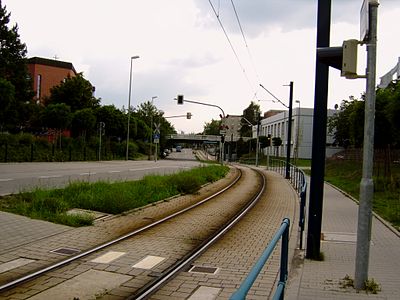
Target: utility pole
(289, 137)
(319, 134)
(367, 184)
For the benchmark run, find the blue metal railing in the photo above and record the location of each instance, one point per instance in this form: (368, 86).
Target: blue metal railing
(249, 280)
(299, 182)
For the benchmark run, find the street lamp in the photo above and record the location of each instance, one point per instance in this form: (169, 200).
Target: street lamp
(298, 131)
(289, 131)
(129, 107)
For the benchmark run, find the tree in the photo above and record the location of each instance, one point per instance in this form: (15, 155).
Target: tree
(13, 69)
(83, 122)
(347, 125)
(115, 121)
(251, 113)
(390, 96)
(57, 116)
(212, 127)
(7, 97)
(76, 92)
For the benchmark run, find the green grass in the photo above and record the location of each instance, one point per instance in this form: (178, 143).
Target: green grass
(112, 198)
(347, 176)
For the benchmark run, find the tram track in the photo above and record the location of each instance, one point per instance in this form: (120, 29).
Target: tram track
(197, 244)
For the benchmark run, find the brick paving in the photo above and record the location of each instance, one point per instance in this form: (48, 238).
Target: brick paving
(241, 247)
(323, 280)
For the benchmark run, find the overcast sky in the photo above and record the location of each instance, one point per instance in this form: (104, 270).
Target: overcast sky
(183, 49)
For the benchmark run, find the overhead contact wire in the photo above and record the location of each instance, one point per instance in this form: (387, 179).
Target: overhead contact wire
(230, 43)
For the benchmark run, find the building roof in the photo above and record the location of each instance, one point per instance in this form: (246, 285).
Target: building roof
(52, 63)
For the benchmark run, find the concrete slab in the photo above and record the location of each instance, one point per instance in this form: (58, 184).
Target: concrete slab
(205, 293)
(16, 263)
(108, 257)
(148, 262)
(84, 286)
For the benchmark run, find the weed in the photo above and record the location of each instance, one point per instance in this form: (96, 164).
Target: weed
(372, 287)
(346, 282)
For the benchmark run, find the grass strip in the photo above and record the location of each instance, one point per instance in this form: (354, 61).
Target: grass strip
(346, 175)
(111, 198)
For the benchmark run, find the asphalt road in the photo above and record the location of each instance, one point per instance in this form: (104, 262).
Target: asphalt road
(18, 177)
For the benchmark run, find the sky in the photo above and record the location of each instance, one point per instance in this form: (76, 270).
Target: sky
(183, 49)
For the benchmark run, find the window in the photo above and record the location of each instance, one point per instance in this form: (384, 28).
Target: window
(38, 86)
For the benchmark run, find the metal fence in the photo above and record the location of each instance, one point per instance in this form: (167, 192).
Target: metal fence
(299, 183)
(283, 233)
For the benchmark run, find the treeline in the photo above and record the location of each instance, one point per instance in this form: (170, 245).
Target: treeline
(70, 120)
(347, 124)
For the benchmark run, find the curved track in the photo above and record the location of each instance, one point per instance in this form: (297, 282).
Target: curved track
(230, 216)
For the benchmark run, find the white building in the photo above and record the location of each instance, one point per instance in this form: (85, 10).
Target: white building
(301, 140)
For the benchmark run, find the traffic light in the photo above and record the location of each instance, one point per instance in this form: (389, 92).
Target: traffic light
(268, 140)
(342, 58)
(188, 115)
(180, 99)
(349, 63)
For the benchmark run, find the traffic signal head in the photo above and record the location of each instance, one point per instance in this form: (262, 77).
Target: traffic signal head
(188, 115)
(342, 58)
(349, 62)
(180, 99)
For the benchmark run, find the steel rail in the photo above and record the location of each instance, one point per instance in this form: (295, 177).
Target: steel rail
(154, 285)
(33, 275)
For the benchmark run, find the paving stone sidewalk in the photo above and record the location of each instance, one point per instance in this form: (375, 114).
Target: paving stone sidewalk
(323, 280)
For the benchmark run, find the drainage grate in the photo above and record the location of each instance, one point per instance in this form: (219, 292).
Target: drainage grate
(65, 251)
(205, 270)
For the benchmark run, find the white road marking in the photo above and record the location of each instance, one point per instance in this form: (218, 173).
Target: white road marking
(50, 176)
(114, 171)
(144, 169)
(87, 174)
(6, 179)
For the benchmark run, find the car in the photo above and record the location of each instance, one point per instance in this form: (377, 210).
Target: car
(178, 149)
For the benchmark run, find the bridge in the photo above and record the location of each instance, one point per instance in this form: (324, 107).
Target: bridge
(212, 139)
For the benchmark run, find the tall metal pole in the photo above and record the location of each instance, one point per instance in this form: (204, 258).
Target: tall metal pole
(319, 134)
(129, 108)
(367, 184)
(289, 137)
(257, 138)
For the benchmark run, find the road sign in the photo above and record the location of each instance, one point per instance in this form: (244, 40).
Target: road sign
(156, 140)
(156, 136)
(157, 128)
(364, 21)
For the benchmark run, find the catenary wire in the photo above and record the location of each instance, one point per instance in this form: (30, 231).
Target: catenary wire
(231, 45)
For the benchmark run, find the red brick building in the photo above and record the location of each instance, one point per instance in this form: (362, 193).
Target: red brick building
(47, 73)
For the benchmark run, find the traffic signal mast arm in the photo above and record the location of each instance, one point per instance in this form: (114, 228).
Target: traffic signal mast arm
(180, 100)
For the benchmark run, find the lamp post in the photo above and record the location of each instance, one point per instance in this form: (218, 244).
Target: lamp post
(289, 131)
(129, 107)
(298, 132)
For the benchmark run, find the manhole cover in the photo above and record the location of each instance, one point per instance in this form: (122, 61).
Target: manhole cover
(206, 270)
(65, 251)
